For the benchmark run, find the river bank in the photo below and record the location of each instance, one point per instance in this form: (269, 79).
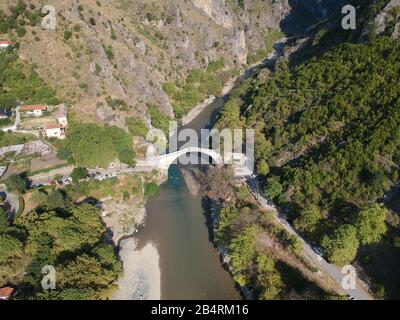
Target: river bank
(232, 82)
(142, 274)
(159, 261)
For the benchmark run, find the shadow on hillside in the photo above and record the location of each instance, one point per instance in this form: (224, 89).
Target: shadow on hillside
(305, 13)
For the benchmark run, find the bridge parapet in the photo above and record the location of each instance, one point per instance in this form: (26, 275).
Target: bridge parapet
(163, 162)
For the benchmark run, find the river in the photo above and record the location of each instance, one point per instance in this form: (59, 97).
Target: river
(176, 226)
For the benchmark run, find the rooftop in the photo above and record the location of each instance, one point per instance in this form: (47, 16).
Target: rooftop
(53, 126)
(6, 292)
(33, 107)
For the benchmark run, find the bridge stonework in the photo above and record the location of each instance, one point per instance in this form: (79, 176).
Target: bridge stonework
(240, 161)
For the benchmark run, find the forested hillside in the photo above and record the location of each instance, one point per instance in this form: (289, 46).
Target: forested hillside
(68, 236)
(328, 141)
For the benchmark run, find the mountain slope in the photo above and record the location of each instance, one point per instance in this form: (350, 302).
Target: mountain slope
(328, 142)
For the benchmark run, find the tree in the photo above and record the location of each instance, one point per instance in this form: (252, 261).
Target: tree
(79, 173)
(342, 245)
(3, 219)
(370, 224)
(273, 188)
(220, 183)
(17, 183)
(308, 219)
(242, 250)
(268, 278)
(263, 167)
(150, 189)
(396, 242)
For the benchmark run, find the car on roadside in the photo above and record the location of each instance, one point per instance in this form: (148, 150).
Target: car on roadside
(318, 251)
(67, 181)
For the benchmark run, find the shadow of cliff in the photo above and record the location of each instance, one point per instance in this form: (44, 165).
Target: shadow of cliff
(306, 13)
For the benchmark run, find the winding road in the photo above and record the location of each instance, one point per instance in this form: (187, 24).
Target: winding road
(361, 289)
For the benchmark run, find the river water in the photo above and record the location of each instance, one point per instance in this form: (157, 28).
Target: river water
(177, 225)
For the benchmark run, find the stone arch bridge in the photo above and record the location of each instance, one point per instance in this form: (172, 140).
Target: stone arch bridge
(242, 165)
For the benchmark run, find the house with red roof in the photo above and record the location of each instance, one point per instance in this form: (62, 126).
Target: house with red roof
(55, 130)
(5, 293)
(4, 44)
(33, 110)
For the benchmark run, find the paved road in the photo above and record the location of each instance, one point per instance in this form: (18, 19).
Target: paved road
(360, 293)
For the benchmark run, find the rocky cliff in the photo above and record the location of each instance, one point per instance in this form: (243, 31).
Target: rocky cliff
(109, 59)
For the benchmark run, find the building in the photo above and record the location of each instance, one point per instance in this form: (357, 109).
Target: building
(4, 44)
(5, 293)
(61, 115)
(33, 110)
(55, 130)
(4, 114)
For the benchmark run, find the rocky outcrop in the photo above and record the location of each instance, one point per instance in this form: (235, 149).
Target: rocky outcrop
(238, 45)
(127, 49)
(217, 11)
(388, 13)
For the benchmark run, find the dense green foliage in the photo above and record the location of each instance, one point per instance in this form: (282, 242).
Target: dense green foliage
(136, 127)
(17, 182)
(341, 247)
(199, 84)
(79, 173)
(19, 82)
(370, 224)
(90, 145)
(150, 189)
(329, 130)
(248, 233)
(66, 236)
(159, 120)
(10, 139)
(3, 219)
(69, 237)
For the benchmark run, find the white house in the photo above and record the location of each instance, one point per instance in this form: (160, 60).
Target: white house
(61, 115)
(4, 44)
(33, 110)
(55, 130)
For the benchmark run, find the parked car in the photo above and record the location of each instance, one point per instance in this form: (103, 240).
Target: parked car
(67, 181)
(318, 251)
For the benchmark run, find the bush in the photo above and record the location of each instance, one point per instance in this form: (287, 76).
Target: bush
(150, 189)
(17, 182)
(89, 145)
(21, 31)
(136, 127)
(67, 35)
(78, 174)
